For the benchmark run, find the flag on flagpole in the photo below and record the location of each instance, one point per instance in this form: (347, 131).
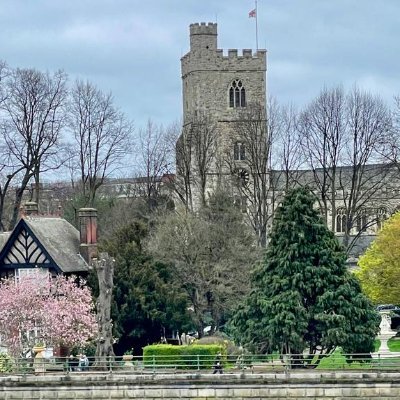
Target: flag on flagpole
(253, 13)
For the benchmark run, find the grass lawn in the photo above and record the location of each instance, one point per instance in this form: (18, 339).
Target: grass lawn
(394, 344)
(338, 361)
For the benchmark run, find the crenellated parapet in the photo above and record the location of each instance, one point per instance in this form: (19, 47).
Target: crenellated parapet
(205, 55)
(203, 37)
(203, 28)
(245, 59)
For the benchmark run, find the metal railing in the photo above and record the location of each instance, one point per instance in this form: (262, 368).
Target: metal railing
(246, 363)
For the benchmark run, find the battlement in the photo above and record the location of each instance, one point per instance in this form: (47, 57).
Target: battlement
(203, 28)
(236, 53)
(232, 54)
(232, 59)
(203, 36)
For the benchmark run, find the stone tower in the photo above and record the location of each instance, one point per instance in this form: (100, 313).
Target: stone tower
(217, 89)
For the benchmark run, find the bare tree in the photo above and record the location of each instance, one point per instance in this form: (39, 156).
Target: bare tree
(285, 142)
(393, 146)
(155, 161)
(249, 164)
(196, 152)
(345, 140)
(286, 158)
(33, 118)
(368, 126)
(184, 178)
(322, 127)
(102, 136)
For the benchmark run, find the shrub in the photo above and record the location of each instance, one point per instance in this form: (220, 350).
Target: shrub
(5, 363)
(184, 357)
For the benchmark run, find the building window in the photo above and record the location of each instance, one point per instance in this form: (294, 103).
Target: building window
(380, 217)
(239, 152)
(237, 94)
(243, 177)
(362, 221)
(41, 276)
(341, 220)
(241, 204)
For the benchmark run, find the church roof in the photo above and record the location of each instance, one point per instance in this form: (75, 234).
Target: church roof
(55, 241)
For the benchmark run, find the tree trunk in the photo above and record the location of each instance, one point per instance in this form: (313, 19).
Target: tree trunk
(105, 272)
(18, 200)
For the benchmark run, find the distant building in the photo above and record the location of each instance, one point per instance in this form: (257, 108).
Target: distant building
(218, 90)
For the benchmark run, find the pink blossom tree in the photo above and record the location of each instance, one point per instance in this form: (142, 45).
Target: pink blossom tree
(55, 311)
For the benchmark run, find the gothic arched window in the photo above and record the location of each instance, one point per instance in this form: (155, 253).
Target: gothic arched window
(362, 221)
(237, 94)
(239, 151)
(341, 220)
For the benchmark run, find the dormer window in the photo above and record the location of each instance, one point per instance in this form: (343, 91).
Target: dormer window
(239, 151)
(237, 94)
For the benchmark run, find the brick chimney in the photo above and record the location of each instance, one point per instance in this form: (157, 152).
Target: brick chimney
(88, 233)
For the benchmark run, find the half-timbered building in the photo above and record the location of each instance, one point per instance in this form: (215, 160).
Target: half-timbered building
(49, 244)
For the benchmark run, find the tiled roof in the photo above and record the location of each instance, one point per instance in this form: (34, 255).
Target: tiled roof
(61, 240)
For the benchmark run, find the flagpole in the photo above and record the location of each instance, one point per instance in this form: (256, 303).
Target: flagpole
(256, 26)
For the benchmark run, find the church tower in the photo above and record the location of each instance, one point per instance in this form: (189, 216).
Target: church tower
(217, 90)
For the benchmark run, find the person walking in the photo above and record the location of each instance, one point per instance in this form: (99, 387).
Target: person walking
(218, 364)
(83, 363)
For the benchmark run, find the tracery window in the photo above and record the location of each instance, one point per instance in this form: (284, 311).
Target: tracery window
(341, 220)
(362, 221)
(239, 151)
(243, 177)
(237, 94)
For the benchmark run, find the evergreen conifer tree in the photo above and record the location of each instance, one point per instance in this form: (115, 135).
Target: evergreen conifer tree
(303, 298)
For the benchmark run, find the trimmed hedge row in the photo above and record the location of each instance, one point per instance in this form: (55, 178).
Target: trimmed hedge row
(5, 363)
(182, 357)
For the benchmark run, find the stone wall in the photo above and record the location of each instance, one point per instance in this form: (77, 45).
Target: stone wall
(309, 385)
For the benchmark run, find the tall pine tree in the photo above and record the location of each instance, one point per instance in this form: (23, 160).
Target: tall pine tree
(303, 298)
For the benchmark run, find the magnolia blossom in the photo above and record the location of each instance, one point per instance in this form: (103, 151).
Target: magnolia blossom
(56, 311)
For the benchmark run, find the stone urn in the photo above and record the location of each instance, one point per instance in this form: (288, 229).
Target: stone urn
(37, 349)
(385, 333)
(38, 361)
(127, 358)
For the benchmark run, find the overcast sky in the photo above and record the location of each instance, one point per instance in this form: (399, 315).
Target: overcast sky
(133, 47)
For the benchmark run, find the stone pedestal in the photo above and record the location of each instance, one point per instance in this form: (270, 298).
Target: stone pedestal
(128, 360)
(38, 361)
(385, 333)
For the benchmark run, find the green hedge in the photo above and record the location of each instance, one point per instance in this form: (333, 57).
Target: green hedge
(5, 363)
(183, 357)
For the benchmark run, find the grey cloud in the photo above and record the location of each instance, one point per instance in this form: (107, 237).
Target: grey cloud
(132, 48)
